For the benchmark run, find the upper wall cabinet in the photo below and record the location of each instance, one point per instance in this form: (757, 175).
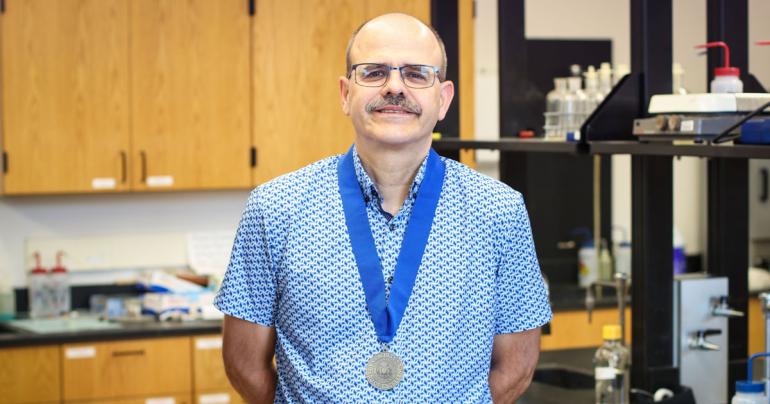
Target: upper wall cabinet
(65, 112)
(299, 56)
(190, 83)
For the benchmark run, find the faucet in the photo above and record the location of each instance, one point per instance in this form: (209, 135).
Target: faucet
(621, 289)
(698, 340)
(721, 308)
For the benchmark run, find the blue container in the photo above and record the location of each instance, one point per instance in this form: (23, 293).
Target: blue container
(756, 131)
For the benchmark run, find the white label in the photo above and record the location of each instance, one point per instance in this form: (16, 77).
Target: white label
(605, 373)
(687, 126)
(160, 181)
(208, 343)
(103, 183)
(80, 352)
(222, 398)
(160, 400)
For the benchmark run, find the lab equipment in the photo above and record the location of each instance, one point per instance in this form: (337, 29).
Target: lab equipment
(611, 368)
(60, 287)
(39, 290)
(750, 391)
(726, 79)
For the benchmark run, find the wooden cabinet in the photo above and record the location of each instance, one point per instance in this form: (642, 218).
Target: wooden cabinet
(210, 383)
(190, 94)
(65, 117)
(571, 329)
(126, 369)
(30, 375)
(756, 326)
(137, 95)
(161, 399)
(299, 55)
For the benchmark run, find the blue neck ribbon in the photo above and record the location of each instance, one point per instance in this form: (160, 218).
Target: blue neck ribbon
(386, 314)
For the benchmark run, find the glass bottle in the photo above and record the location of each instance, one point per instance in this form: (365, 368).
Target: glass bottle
(611, 368)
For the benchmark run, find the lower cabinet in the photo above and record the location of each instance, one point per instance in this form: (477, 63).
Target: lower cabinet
(125, 369)
(170, 399)
(210, 381)
(30, 375)
(571, 329)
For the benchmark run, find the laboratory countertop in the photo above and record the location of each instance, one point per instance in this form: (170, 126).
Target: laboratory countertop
(14, 337)
(573, 297)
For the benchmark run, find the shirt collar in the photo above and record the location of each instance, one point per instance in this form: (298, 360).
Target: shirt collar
(370, 189)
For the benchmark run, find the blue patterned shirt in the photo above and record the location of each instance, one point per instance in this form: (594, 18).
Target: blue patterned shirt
(292, 268)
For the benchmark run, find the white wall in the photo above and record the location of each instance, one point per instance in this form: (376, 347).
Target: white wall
(95, 215)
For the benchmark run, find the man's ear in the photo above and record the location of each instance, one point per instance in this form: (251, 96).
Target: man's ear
(445, 98)
(344, 93)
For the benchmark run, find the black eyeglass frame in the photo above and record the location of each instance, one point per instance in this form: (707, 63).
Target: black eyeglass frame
(400, 69)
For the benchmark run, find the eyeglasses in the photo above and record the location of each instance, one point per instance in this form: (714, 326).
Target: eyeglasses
(377, 74)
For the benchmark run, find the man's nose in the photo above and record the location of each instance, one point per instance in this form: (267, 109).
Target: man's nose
(394, 84)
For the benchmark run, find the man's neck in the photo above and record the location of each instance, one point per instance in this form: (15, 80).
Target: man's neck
(392, 169)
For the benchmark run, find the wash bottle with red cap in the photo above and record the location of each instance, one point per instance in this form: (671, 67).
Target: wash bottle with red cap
(726, 79)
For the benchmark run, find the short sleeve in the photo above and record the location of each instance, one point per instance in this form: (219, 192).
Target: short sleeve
(521, 299)
(248, 290)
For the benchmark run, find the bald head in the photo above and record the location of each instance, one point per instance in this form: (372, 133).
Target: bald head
(395, 25)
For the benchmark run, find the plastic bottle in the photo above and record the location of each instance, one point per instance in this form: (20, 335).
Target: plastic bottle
(553, 106)
(680, 259)
(605, 78)
(588, 264)
(677, 79)
(621, 70)
(60, 287)
(611, 368)
(39, 291)
(605, 262)
(726, 79)
(747, 392)
(593, 96)
(574, 105)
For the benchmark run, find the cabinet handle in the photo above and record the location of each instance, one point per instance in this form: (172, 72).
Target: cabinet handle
(135, 352)
(123, 166)
(143, 158)
(764, 174)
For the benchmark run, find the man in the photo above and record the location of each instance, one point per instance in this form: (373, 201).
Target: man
(387, 274)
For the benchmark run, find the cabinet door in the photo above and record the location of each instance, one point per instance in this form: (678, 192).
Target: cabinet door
(299, 55)
(124, 369)
(65, 95)
(190, 94)
(417, 8)
(161, 399)
(208, 365)
(29, 375)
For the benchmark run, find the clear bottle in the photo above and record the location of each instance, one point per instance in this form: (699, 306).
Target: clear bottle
(620, 71)
(574, 106)
(605, 78)
(593, 96)
(553, 106)
(60, 287)
(726, 79)
(605, 262)
(677, 79)
(611, 368)
(39, 291)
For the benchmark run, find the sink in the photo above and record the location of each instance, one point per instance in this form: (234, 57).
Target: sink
(564, 377)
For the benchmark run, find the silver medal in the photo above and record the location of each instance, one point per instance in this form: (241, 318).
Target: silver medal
(385, 370)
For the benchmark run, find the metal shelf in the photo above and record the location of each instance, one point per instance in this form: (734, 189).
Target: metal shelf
(508, 144)
(738, 151)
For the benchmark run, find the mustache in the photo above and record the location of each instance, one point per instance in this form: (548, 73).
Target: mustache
(397, 100)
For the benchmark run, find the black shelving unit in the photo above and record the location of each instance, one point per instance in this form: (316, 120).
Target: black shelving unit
(608, 131)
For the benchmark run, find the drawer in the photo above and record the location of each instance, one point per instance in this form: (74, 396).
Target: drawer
(208, 366)
(29, 375)
(168, 399)
(223, 396)
(124, 369)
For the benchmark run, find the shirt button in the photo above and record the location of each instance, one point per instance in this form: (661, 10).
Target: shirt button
(390, 279)
(392, 227)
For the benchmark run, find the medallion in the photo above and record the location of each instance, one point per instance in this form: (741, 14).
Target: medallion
(385, 370)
